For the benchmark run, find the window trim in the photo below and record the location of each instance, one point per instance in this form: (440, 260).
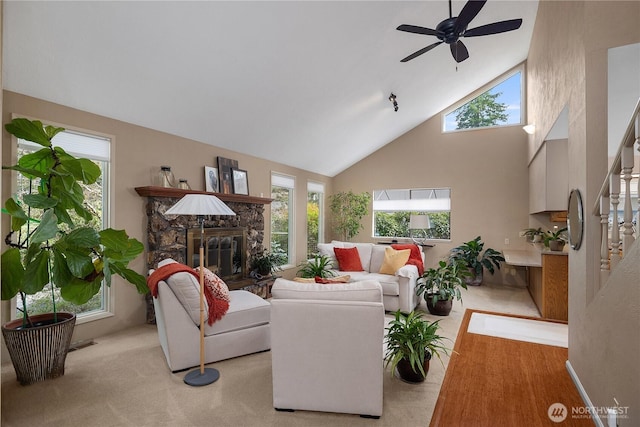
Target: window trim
(485, 88)
(288, 181)
(108, 297)
(320, 188)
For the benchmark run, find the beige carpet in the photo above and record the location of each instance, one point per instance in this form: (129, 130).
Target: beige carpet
(123, 380)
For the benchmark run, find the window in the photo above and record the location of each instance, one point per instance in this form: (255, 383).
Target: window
(501, 105)
(393, 208)
(282, 215)
(96, 148)
(315, 216)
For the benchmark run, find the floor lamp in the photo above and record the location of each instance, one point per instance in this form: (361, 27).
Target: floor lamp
(201, 205)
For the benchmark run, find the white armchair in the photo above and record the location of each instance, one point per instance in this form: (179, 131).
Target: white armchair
(327, 347)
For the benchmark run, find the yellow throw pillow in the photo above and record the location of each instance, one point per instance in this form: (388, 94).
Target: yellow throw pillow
(393, 260)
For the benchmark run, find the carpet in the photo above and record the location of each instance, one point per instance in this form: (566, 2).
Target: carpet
(498, 381)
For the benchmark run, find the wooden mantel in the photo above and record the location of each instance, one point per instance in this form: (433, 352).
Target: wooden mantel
(177, 193)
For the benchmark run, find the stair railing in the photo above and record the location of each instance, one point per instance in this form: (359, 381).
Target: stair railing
(618, 236)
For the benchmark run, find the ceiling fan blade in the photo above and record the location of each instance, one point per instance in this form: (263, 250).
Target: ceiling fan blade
(468, 12)
(418, 30)
(420, 52)
(495, 28)
(459, 51)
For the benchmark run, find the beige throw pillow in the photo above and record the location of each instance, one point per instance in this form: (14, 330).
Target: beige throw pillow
(393, 260)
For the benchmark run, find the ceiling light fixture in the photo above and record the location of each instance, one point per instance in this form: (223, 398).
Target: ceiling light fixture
(530, 129)
(392, 98)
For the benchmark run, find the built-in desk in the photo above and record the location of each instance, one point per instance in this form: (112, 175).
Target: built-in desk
(547, 279)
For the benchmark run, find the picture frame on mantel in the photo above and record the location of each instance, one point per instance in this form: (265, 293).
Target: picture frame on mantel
(211, 180)
(225, 177)
(240, 181)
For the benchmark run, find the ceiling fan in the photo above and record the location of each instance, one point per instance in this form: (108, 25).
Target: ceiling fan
(451, 29)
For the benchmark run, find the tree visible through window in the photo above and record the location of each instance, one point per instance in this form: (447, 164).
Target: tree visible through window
(315, 218)
(499, 106)
(282, 187)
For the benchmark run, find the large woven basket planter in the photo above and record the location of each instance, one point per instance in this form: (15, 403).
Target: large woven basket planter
(39, 353)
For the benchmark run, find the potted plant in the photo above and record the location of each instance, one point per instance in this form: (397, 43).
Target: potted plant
(471, 253)
(318, 266)
(556, 240)
(268, 262)
(411, 342)
(347, 209)
(50, 243)
(439, 286)
(533, 234)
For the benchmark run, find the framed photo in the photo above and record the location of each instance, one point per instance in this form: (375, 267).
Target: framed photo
(240, 181)
(224, 174)
(211, 179)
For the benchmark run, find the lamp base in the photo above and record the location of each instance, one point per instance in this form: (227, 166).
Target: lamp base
(196, 378)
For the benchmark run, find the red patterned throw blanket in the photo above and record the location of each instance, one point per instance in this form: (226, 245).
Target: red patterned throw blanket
(217, 307)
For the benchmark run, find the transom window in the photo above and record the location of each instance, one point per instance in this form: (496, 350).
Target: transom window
(500, 105)
(392, 210)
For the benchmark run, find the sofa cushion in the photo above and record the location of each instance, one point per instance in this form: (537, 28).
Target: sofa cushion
(186, 289)
(326, 249)
(377, 257)
(416, 255)
(364, 251)
(393, 260)
(246, 310)
(366, 290)
(348, 259)
(216, 285)
(390, 284)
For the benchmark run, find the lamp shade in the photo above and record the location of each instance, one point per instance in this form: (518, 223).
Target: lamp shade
(199, 204)
(419, 222)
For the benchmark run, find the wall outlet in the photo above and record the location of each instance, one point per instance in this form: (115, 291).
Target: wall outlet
(506, 240)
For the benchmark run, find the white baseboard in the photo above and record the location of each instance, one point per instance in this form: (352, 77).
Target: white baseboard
(583, 393)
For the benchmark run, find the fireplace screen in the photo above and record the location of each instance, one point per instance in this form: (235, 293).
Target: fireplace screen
(224, 251)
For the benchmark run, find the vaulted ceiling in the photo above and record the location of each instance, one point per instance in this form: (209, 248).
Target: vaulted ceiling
(302, 83)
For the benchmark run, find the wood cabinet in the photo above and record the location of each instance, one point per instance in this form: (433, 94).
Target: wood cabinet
(549, 285)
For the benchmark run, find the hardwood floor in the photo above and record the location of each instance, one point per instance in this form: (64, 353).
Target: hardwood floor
(494, 381)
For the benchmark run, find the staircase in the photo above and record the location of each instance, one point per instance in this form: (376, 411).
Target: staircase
(619, 190)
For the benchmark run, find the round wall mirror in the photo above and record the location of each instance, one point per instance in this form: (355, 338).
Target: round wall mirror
(575, 219)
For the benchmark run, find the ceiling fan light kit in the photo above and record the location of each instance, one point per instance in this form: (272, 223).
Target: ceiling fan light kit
(451, 29)
(392, 98)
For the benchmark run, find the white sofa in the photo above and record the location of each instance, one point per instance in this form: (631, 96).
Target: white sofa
(327, 347)
(244, 329)
(398, 290)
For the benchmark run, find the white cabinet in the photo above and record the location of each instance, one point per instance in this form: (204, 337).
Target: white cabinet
(549, 177)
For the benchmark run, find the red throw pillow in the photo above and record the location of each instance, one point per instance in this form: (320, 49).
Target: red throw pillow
(348, 259)
(415, 258)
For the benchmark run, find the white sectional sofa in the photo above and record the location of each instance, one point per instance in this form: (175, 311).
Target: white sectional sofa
(399, 289)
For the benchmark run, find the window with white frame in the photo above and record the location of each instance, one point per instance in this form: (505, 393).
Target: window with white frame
(392, 210)
(315, 216)
(98, 149)
(500, 105)
(282, 215)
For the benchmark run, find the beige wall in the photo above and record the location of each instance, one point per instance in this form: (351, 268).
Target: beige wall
(485, 169)
(139, 152)
(567, 65)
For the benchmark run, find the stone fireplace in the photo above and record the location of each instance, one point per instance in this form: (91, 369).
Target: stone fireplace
(167, 236)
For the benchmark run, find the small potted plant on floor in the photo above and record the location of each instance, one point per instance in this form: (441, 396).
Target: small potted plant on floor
(52, 243)
(555, 240)
(440, 285)
(476, 260)
(318, 266)
(268, 262)
(411, 342)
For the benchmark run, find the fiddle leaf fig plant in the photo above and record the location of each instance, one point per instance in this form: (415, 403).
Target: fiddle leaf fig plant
(51, 240)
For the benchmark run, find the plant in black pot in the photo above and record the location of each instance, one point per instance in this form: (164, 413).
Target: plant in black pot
(440, 285)
(476, 260)
(52, 243)
(268, 262)
(318, 266)
(411, 342)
